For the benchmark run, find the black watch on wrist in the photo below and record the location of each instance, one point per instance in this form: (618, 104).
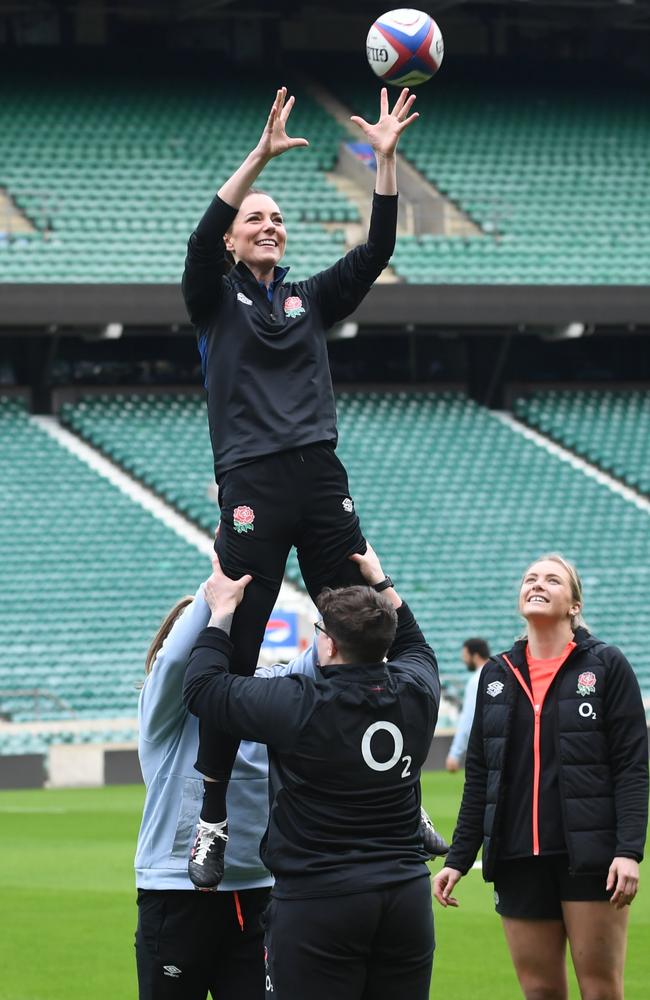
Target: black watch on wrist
(384, 585)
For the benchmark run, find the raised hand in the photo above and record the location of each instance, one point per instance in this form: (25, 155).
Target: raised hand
(384, 135)
(274, 139)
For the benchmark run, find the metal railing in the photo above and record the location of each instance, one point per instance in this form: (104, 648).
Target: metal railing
(38, 695)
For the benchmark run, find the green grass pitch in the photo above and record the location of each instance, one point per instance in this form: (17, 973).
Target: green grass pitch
(67, 903)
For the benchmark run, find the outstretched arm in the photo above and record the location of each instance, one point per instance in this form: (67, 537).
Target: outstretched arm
(341, 288)
(205, 250)
(265, 710)
(409, 650)
(273, 142)
(252, 708)
(384, 136)
(372, 572)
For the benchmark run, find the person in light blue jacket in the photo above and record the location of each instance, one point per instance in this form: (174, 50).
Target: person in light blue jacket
(189, 943)
(475, 653)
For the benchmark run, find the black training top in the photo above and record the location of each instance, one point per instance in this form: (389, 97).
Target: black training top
(345, 753)
(265, 362)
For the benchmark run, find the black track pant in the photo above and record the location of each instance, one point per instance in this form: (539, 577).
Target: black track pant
(367, 946)
(298, 497)
(190, 942)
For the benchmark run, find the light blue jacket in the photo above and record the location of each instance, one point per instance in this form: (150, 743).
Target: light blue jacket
(167, 747)
(466, 718)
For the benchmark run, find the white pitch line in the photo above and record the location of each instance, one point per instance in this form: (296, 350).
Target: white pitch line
(33, 809)
(290, 597)
(581, 464)
(69, 725)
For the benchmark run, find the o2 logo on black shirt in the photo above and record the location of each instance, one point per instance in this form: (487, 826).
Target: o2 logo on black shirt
(398, 746)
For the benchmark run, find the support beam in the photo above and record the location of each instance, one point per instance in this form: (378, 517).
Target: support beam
(87, 307)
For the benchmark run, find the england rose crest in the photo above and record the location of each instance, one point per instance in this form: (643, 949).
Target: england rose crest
(293, 306)
(587, 683)
(243, 518)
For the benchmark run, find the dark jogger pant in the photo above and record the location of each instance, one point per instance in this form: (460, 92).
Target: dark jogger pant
(366, 946)
(188, 943)
(298, 497)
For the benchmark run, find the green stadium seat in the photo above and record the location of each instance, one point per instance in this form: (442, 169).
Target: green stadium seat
(610, 429)
(557, 194)
(128, 165)
(87, 576)
(454, 500)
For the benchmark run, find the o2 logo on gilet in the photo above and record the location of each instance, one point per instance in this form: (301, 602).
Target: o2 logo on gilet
(398, 746)
(268, 983)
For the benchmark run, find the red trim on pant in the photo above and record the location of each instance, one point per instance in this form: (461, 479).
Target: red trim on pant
(240, 915)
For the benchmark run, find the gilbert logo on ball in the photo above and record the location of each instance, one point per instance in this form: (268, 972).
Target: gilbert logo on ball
(405, 47)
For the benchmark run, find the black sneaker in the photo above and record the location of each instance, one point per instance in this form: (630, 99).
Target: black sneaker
(205, 866)
(435, 845)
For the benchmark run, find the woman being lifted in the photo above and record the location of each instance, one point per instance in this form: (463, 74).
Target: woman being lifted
(271, 406)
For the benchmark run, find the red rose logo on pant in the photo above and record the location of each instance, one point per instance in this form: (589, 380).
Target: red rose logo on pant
(293, 306)
(243, 518)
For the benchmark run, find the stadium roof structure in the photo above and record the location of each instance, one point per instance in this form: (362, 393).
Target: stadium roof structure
(478, 307)
(622, 12)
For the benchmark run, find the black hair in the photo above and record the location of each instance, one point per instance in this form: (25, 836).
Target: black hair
(228, 262)
(478, 647)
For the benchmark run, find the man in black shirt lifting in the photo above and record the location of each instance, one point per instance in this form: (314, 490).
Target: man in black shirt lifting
(350, 914)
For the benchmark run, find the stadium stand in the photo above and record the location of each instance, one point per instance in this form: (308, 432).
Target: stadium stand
(115, 175)
(87, 575)
(454, 500)
(162, 440)
(610, 429)
(26, 742)
(554, 177)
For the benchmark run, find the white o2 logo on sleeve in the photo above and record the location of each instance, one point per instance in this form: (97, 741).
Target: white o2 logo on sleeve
(398, 746)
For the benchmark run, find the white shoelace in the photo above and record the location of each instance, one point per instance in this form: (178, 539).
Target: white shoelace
(206, 838)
